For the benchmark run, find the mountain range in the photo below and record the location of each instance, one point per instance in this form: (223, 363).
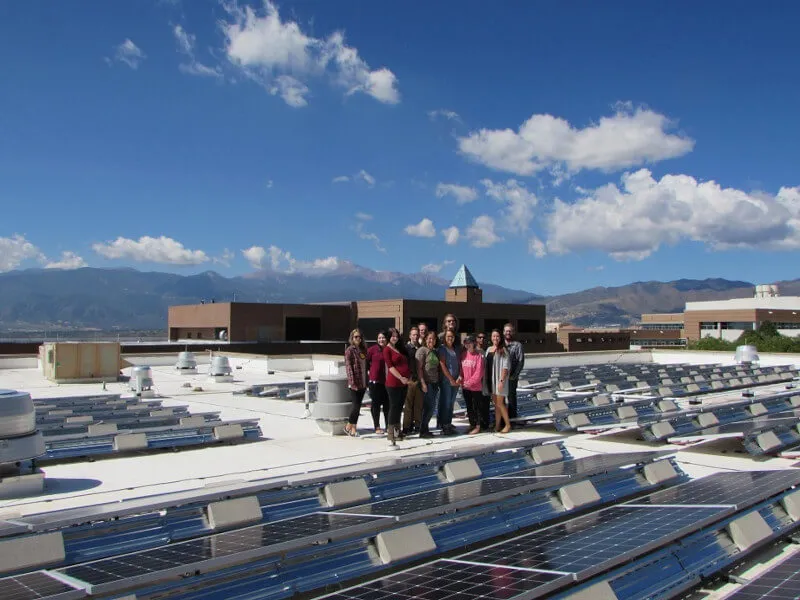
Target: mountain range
(126, 298)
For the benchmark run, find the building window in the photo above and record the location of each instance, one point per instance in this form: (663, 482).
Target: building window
(199, 335)
(744, 325)
(466, 325)
(787, 325)
(303, 328)
(709, 325)
(431, 322)
(371, 326)
(51, 356)
(529, 326)
(189, 335)
(489, 324)
(663, 326)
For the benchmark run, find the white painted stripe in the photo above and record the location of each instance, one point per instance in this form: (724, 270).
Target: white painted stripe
(480, 564)
(347, 514)
(678, 505)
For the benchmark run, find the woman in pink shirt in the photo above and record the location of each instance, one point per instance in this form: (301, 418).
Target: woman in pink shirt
(472, 365)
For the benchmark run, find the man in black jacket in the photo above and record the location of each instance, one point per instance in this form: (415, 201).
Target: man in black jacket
(516, 357)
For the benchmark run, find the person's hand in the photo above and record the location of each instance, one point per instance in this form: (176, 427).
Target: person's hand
(404, 380)
(424, 387)
(499, 386)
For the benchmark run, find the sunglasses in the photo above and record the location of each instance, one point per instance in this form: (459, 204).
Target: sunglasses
(356, 337)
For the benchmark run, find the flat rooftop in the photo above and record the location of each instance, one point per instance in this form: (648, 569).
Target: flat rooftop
(293, 445)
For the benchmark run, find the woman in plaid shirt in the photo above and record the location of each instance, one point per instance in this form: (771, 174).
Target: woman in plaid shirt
(355, 357)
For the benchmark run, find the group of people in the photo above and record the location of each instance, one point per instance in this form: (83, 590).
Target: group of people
(414, 379)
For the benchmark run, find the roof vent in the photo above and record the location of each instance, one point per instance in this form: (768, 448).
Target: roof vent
(767, 291)
(141, 379)
(187, 363)
(220, 366)
(746, 355)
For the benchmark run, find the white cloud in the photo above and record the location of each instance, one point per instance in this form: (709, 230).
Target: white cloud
(225, 258)
(186, 45)
(362, 176)
(149, 249)
(481, 233)
(435, 267)
(625, 139)
(15, 250)
(519, 203)
(263, 47)
(462, 193)
(68, 261)
(365, 177)
(291, 90)
(269, 184)
(129, 53)
(424, 229)
(537, 247)
(283, 261)
(442, 113)
(632, 221)
(366, 235)
(451, 235)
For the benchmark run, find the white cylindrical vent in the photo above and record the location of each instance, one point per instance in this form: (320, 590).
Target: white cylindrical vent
(186, 361)
(220, 366)
(17, 414)
(141, 378)
(746, 354)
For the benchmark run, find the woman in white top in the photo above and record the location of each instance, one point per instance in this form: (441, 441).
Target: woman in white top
(498, 385)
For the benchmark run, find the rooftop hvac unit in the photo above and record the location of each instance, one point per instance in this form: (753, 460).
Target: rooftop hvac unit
(746, 355)
(187, 363)
(141, 379)
(220, 366)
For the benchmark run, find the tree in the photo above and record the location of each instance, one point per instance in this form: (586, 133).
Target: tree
(767, 329)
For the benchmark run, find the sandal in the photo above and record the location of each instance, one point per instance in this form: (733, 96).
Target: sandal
(351, 431)
(379, 431)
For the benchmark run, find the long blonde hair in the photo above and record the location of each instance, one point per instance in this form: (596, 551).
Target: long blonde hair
(361, 345)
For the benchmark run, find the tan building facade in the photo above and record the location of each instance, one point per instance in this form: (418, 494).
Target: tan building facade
(722, 319)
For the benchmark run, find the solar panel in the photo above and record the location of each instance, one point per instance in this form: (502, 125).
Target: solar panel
(453, 580)
(781, 582)
(604, 538)
(726, 488)
(538, 477)
(218, 546)
(32, 586)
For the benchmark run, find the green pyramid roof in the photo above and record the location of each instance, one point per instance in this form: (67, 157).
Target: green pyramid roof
(463, 279)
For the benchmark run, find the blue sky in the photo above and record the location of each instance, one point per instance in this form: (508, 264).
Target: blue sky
(569, 145)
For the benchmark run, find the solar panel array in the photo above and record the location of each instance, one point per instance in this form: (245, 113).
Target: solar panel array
(557, 556)
(347, 531)
(68, 424)
(780, 582)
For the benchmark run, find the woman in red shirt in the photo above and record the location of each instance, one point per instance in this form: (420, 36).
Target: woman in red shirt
(398, 374)
(377, 379)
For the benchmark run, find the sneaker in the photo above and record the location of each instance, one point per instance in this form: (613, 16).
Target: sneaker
(425, 435)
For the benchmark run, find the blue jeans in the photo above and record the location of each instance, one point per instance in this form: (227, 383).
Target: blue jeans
(428, 406)
(447, 399)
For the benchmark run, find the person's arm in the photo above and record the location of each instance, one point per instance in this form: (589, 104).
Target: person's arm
(421, 371)
(349, 368)
(503, 375)
(388, 356)
(519, 360)
(446, 371)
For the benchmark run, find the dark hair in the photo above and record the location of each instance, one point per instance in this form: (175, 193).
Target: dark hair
(401, 344)
(502, 343)
(382, 332)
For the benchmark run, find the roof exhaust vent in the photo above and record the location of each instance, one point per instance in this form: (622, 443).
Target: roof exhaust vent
(187, 363)
(746, 355)
(767, 291)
